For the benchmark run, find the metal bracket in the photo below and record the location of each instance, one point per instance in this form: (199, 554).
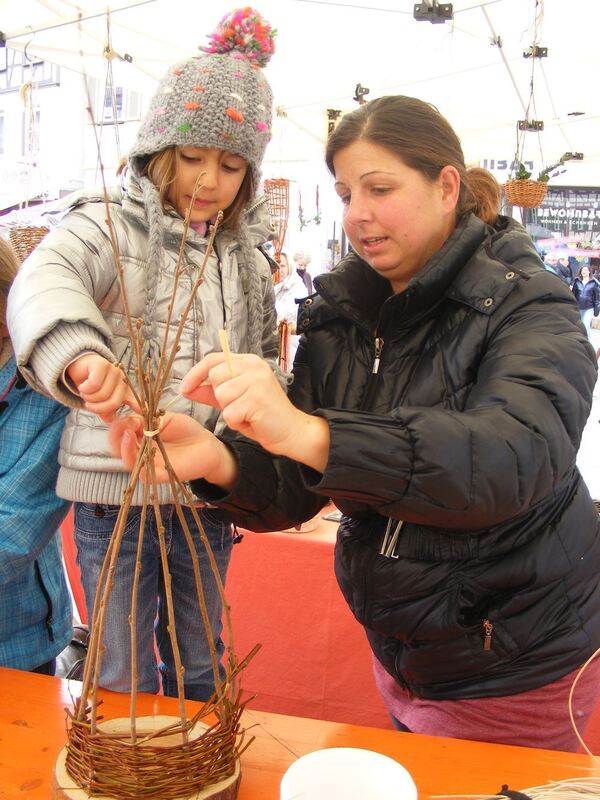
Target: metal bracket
(530, 125)
(536, 52)
(432, 11)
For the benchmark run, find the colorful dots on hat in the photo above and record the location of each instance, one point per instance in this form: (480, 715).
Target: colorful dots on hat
(177, 71)
(192, 106)
(159, 111)
(199, 88)
(234, 114)
(184, 128)
(262, 126)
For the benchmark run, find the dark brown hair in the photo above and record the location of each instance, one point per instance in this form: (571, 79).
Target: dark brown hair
(161, 169)
(412, 130)
(487, 193)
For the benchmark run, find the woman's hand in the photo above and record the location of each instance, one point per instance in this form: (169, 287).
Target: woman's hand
(253, 403)
(193, 452)
(101, 385)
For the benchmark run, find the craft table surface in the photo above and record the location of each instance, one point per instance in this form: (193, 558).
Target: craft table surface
(32, 732)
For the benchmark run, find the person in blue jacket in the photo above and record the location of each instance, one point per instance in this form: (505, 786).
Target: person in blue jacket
(35, 607)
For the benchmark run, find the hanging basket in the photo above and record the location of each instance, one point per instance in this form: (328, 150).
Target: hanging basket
(26, 238)
(277, 192)
(525, 193)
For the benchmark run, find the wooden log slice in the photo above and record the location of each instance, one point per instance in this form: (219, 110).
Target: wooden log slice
(65, 788)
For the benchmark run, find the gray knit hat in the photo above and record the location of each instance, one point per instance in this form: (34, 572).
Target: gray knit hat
(218, 99)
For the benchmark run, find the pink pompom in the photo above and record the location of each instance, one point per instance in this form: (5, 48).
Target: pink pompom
(244, 31)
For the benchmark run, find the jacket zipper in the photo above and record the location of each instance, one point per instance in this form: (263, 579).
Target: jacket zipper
(488, 628)
(49, 619)
(372, 382)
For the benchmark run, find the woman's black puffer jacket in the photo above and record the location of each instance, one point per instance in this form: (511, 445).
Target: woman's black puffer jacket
(456, 406)
(587, 294)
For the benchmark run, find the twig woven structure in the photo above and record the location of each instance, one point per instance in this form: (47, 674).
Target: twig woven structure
(277, 192)
(25, 238)
(141, 757)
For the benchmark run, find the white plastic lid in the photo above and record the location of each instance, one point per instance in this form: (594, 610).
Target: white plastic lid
(349, 773)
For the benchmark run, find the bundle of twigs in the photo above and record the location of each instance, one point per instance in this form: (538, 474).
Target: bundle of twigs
(140, 763)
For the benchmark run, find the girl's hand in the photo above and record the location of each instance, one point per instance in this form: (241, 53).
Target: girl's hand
(101, 385)
(253, 403)
(193, 452)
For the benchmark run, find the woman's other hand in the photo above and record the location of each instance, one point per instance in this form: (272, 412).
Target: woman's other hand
(193, 452)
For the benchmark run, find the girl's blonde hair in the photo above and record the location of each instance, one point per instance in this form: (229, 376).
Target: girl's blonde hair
(161, 169)
(8, 269)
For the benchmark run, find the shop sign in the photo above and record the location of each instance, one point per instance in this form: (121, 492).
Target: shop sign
(569, 210)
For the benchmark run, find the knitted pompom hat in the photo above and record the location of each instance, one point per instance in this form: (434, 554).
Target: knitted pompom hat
(218, 99)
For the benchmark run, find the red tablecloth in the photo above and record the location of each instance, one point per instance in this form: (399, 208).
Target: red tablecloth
(315, 660)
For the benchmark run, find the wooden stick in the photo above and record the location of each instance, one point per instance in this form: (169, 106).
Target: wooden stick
(226, 351)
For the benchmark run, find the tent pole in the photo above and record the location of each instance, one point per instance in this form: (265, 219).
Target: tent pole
(498, 43)
(29, 31)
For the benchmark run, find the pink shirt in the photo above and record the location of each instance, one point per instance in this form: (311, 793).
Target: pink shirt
(536, 718)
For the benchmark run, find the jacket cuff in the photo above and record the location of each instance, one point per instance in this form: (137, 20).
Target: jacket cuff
(57, 350)
(256, 485)
(357, 468)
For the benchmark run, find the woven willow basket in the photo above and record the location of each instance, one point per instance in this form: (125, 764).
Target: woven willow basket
(26, 238)
(525, 193)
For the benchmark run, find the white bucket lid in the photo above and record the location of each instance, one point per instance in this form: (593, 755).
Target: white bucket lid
(349, 773)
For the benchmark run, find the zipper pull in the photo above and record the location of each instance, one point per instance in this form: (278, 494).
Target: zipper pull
(487, 631)
(378, 349)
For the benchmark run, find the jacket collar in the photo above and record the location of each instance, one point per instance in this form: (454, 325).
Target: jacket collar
(358, 292)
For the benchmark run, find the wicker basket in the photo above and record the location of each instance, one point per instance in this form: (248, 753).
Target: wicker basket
(26, 238)
(525, 193)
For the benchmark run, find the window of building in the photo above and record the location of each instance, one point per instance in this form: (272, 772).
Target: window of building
(17, 69)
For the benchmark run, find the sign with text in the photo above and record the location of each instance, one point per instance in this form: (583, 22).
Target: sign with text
(569, 210)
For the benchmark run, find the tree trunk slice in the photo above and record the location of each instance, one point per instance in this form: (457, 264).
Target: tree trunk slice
(65, 788)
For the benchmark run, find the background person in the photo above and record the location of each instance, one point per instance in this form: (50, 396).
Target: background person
(35, 607)
(67, 318)
(441, 387)
(301, 261)
(587, 293)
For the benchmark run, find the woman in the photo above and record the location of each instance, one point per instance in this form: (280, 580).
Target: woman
(441, 388)
(288, 293)
(587, 293)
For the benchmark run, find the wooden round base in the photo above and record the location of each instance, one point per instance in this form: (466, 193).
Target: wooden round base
(65, 788)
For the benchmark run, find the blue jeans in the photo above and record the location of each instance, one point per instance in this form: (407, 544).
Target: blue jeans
(93, 528)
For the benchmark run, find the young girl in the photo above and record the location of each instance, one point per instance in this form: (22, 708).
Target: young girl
(210, 116)
(35, 612)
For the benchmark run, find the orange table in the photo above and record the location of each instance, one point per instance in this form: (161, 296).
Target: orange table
(32, 732)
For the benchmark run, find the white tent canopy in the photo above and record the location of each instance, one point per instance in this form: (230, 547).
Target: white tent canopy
(472, 68)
